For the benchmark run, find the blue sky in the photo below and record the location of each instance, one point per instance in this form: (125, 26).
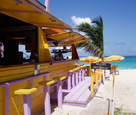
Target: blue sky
(119, 18)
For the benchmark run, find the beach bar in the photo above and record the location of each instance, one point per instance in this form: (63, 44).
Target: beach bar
(26, 83)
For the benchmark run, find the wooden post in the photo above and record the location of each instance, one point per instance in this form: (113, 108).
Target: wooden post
(73, 80)
(7, 100)
(90, 68)
(113, 83)
(80, 77)
(31, 85)
(76, 76)
(69, 81)
(60, 93)
(27, 110)
(47, 104)
(74, 52)
(47, 100)
(83, 73)
(47, 5)
(92, 83)
(97, 77)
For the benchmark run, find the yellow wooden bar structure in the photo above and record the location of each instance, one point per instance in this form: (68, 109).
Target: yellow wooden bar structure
(27, 24)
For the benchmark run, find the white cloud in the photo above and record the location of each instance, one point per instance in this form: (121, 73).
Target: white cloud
(79, 20)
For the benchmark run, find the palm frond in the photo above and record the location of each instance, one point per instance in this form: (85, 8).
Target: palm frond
(94, 34)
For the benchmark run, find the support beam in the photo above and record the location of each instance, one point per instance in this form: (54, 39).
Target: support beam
(59, 95)
(80, 77)
(76, 76)
(92, 83)
(31, 85)
(74, 52)
(47, 104)
(73, 80)
(47, 5)
(27, 110)
(7, 100)
(69, 81)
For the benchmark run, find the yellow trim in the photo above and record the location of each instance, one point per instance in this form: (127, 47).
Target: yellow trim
(44, 53)
(96, 78)
(25, 91)
(71, 70)
(60, 78)
(15, 105)
(92, 83)
(46, 82)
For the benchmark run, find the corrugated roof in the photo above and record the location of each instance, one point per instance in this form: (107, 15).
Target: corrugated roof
(31, 11)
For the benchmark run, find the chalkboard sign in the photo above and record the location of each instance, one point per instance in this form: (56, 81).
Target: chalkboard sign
(101, 66)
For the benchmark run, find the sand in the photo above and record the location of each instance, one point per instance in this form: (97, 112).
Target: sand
(125, 95)
(125, 90)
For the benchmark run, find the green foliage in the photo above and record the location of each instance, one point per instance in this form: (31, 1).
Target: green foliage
(118, 111)
(94, 34)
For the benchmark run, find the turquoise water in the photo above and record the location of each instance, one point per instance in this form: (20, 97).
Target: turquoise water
(128, 63)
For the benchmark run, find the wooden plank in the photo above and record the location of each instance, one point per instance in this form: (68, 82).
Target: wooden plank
(84, 97)
(77, 94)
(59, 66)
(78, 87)
(2, 107)
(16, 67)
(14, 77)
(2, 91)
(16, 71)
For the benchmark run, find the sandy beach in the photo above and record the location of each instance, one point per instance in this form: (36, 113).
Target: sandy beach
(125, 90)
(125, 94)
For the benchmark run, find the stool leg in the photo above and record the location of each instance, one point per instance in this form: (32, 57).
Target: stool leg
(59, 94)
(69, 81)
(73, 80)
(80, 75)
(83, 73)
(76, 77)
(26, 105)
(47, 104)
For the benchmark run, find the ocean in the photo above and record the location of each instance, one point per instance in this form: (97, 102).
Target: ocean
(128, 63)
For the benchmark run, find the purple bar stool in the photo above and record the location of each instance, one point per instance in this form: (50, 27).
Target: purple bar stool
(47, 104)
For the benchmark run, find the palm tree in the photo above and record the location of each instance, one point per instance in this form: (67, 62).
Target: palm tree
(94, 34)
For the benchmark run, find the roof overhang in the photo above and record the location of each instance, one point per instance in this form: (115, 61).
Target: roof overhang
(31, 11)
(65, 39)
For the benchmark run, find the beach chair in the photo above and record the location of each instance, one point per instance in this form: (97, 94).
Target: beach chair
(114, 70)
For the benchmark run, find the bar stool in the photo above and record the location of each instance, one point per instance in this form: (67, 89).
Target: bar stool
(59, 90)
(26, 93)
(47, 103)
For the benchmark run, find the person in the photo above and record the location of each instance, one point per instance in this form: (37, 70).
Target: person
(1, 52)
(60, 56)
(34, 56)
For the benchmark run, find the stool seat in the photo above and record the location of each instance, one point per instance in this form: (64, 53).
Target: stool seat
(25, 91)
(47, 82)
(71, 70)
(60, 78)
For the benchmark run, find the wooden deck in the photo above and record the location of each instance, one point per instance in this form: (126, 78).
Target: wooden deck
(80, 94)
